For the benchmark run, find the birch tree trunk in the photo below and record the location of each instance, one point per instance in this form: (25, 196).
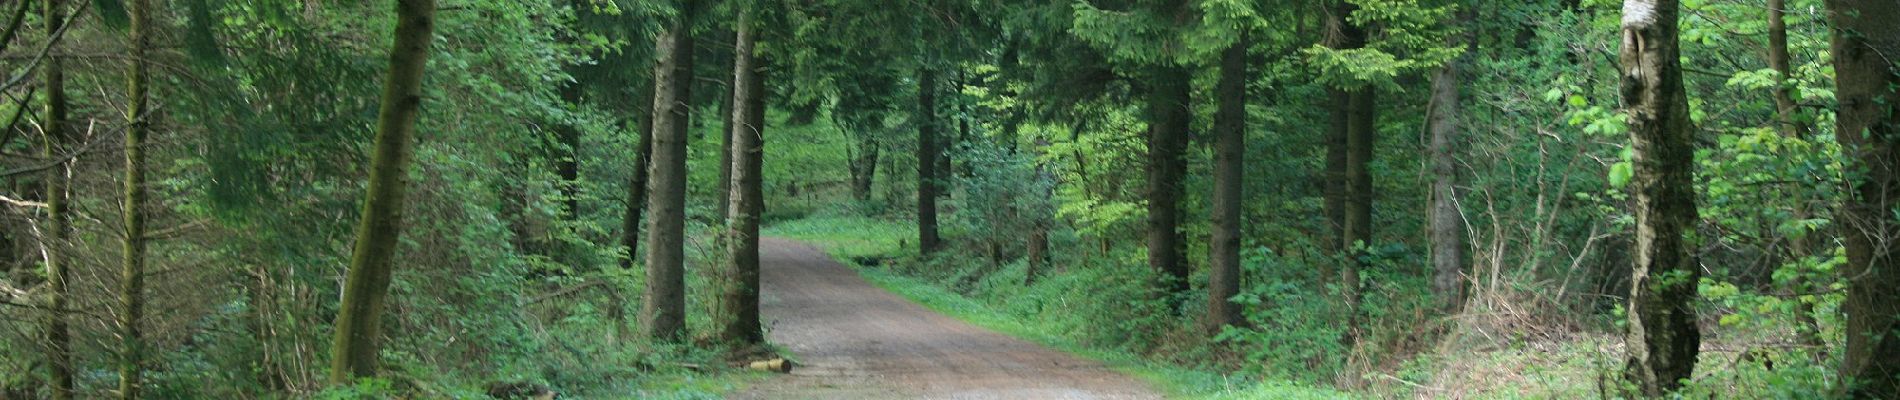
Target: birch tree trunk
(1663, 338)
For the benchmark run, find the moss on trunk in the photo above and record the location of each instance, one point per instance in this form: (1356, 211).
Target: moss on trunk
(353, 352)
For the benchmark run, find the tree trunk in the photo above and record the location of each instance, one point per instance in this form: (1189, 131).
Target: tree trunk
(1339, 101)
(1864, 44)
(1230, 158)
(927, 156)
(1358, 237)
(637, 187)
(1356, 216)
(1342, 34)
(1663, 336)
(748, 202)
(568, 161)
(261, 294)
(359, 322)
(1168, 121)
(1083, 177)
(1447, 228)
(1333, 191)
(947, 145)
(864, 167)
(728, 108)
(58, 333)
(663, 309)
(514, 206)
(1037, 250)
(132, 273)
(1778, 59)
(1791, 125)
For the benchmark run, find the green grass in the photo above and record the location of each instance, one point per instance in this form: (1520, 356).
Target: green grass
(1178, 382)
(695, 386)
(849, 238)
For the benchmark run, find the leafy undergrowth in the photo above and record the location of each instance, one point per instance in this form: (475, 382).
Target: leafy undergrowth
(871, 244)
(576, 372)
(582, 360)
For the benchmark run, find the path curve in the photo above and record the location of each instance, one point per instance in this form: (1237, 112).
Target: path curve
(856, 341)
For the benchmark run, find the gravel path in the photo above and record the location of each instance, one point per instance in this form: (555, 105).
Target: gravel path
(856, 341)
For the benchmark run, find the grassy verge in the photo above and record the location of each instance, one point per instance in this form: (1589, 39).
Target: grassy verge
(854, 238)
(847, 237)
(695, 386)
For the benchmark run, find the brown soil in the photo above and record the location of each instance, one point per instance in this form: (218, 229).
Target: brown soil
(856, 341)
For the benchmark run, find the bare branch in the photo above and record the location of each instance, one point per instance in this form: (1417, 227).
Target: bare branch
(21, 203)
(56, 162)
(6, 132)
(41, 56)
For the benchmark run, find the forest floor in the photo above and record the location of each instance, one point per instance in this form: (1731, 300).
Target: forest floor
(852, 340)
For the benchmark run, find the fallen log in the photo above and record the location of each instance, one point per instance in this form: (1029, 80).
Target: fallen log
(778, 365)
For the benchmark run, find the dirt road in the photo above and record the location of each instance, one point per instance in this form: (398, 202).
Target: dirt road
(856, 341)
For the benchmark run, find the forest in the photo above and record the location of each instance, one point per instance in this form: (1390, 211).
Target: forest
(865, 199)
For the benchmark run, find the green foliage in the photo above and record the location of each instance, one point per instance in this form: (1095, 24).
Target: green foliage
(363, 389)
(1410, 39)
(1291, 324)
(265, 125)
(1007, 187)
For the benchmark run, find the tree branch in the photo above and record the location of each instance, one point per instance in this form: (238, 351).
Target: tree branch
(21, 203)
(13, 25)
(56, 162)
(41, 56)
(6, 132)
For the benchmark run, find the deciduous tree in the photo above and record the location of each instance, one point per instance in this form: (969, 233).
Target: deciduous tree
(1663, 337)
(1866, 43)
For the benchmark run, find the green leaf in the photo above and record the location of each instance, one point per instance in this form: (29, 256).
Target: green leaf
(1620, 174)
